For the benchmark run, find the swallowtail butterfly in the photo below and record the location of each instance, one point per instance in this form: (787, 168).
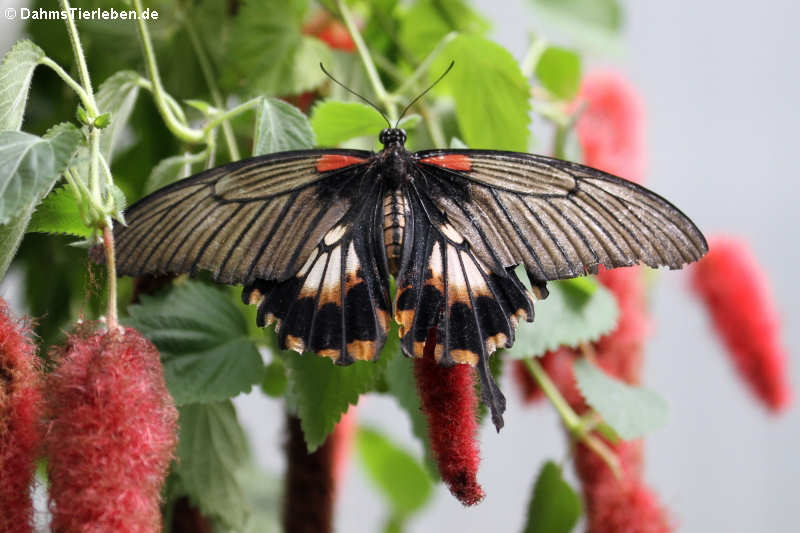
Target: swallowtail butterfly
(314, 236)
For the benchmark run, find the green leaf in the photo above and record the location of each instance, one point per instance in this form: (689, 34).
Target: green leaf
(554, 506)
(172, 169)
(491, 94)
(275, 382)
(268, 53)
(212, 450)
(403, 386)
(426, 22)
(630, 411)
(203, 340)
(335, 122)
(559, 70)
(593, 23)
(29, 166)
(58, 213)
(117, 96)
(16, 72)
(569, 316)
(322, 391)
(398, 475)
(280, 127)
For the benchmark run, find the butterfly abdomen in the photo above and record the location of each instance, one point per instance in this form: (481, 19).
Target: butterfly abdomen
(394, 223)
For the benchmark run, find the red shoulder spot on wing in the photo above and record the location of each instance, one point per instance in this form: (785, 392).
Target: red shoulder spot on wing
(336, 161)
(451, 161)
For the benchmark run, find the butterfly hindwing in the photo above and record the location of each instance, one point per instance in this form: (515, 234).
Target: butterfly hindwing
(559, 219)
(443, 286)
(336, 305)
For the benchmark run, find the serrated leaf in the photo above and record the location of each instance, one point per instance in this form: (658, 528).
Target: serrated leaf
(593, 23)
(117, 96)
(275, 383)
(569, 316)
(171, 169)
(30, 165)
(559, 70)
(426, 22)
(335, 122)
(268, 53)
(631, 411)
(399, 476)
(211, 452)
(280, 127)
(203, 340)
(554, 506)
(491, 94)
(16, 72)
(58, 213)
(403, 387)
(322, 391)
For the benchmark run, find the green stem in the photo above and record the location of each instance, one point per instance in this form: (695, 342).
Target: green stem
(575, 425)
(560, 141)
(144, 83)
(177, 128)
(220, 118)
(74, 85)
(372, 73)
(80, 61)
(216, 96)
(532, 56)
(570, 418)
(434, 126)
(426, 63)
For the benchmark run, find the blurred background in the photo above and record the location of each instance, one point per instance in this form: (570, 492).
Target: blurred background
(720, 82)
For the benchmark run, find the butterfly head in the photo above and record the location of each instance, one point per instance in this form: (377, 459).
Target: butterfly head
(392, 136)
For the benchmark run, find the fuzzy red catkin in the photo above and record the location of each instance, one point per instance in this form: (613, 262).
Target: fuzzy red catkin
(20, 409)
(111, 433)
(735, 291)
(449, 401)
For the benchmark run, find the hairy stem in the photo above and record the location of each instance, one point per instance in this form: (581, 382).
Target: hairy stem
(108, 244)
(216, 96)
(176, 127)
(372, 73)
(80, 61)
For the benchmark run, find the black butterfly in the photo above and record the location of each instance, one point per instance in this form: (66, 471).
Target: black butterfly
(313, 236)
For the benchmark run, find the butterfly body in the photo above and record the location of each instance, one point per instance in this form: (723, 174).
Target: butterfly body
(314, 236)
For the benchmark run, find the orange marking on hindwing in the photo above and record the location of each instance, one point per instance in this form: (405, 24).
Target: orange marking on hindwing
(451, 161)
(335, 161)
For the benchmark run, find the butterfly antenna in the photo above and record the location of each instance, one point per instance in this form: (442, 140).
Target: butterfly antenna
(351, 91)
(423, 93)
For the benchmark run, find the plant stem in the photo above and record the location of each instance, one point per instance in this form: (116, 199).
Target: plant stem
(434, 126)
(372, 73)
(216, 96)
(108, 243)
(220, 118)
(426, 63)
(532, 56)
(177, 128)
(577, 427)
(74, 85)
(80, 61)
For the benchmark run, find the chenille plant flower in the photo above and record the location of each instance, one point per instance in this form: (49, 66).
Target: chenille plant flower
(20, 408)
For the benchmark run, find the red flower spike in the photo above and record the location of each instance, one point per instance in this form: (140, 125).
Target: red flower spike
(611, 126)
(448, 399)
(20, 408)
(111, 433)
(735, 291)
(326, 28)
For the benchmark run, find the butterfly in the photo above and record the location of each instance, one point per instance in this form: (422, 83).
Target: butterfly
(314, 236)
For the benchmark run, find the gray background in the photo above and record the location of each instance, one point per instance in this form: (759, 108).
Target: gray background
(720, 82)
